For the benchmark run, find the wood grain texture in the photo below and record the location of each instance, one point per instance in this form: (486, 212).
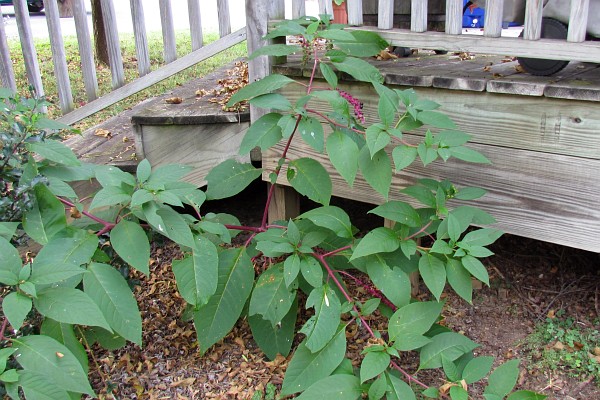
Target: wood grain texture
(223, 15)
(418, 16)
(386, 14)
(298, 8)
(578, 20)
(114, 48)
(355, 12)
(7, 73)
(195, 24)
(588, 51)
(59, 59)
(543, 196)
(32, 67)
(493, 18)
(155, 76)
(168, 31)
(201, 146)
(139, 34)
(533, 20)
(285, 204)
(88, 65)
(454, 13)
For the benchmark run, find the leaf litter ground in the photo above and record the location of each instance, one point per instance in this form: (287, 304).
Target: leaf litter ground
(530, 280)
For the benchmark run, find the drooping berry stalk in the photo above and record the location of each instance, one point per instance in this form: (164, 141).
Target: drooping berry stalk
(358, 106)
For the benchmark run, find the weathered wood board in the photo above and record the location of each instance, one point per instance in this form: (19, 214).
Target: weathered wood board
(544, 180)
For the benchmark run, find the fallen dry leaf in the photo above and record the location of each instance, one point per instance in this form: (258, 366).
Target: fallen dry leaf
(103, 133)
(173, 100)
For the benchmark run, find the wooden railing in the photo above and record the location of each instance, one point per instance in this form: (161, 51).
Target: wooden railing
(121, 89)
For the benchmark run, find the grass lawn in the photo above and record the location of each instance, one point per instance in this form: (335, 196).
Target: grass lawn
(155, 46)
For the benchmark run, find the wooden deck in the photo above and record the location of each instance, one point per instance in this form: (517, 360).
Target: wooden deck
(542, 135)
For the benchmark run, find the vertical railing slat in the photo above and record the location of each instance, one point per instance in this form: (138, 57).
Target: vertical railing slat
(578, 20)
(32, 66)
(385, 19)
(326, 7)
(418, 15)
(533, 20)
(88, 66)
(493, 18)
(59, 59)
(224, 19)
(139, 33)
(195, 24)
(168, 31)
(257, 16)
(298, 8)
(454, 17)
(7, 73)
(115, 58)
(355, 12)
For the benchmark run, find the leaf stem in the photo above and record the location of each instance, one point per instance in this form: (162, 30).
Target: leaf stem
(3, 329)
(336, 251)
(107, 225)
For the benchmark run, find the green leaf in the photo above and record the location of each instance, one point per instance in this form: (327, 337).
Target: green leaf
(343, 153)
(60, 188)
(39, 387)
(437, 119)
(450, 369)
(398, 389)
(477, 369)
(369, 306)
(310, 179)
(311, 271)
(393, 282)
(329, 75)
(65, 334)
(374, 363)
(377, 138)
(54, 151)
(307, 368)
(272, 101)
(470, 193)
(359, 69)
(403, 156)
(481, 237)
(271, 297)
(197, 275)
(377, 170)
(379, 240)
(451, 344)
(414, 318)
(458, 393)
(109, 289)
(339, 387)
(322, 326)
(431, 392)
(275, 50)
(39, 354)
(264, 133)
(62, 258)
(216, 318)
(10, 263)
(426, 154)
(70, 306)
(503, 379)
(8, 229)
(16, 306)
(476, 268)
(433, 272)
(312, 133)
(332, 218)
(9, 376)
(422, 194)
(277, 339)
(268, 84)
(163, 175)
(398, 211)
(526, 395)
(109, 196)
(106, 339)
(4, 354)
(130, 242)
(144, 169)
(459, 279)
(291, 269)
(388, 104)
(378, 388)
(175, 227)
(229, 178)
(46, 217)
(470, 155)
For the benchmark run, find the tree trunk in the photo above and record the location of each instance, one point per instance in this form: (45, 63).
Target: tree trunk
(100, 44)
(65, 8)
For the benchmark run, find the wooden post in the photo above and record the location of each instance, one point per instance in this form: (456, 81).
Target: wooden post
(59, 59)
(533, 20)
(224, 20)
(418, 16)
(454, 17)
(7, 73)
(139, 34)
(578, 20)
(32, 66)
(355, 12)
(168, 31)
(414, 276)
(65, 8)
(493, 18)
(88, 66)
(284, 205)
(298, 8)
(112, 41)
(385, 20)
(195, 24)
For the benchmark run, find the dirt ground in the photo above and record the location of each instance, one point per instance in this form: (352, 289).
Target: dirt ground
(529, 281)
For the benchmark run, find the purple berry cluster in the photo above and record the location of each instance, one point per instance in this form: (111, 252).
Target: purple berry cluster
(358, 106)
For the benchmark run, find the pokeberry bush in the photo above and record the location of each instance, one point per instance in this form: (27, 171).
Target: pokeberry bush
(73, 296)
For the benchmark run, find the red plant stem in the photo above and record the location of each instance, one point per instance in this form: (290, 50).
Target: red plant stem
(3, 329)
(107, 225)
(245, 228)
(408, 376)
(336, 251)
(372, 291)
(423, 229)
